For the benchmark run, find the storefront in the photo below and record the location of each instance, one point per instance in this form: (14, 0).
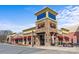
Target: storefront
(45, 33)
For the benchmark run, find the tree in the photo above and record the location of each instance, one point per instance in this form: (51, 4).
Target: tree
(3, 35)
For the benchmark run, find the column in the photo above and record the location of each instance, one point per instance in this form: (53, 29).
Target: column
(32, 41)
(23, 41)
(53, 38)
(37, 41)
(56, 41)
(26, 41)
(47, 39)
(64, 42)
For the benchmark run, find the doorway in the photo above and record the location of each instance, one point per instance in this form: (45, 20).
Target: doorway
(41, 38)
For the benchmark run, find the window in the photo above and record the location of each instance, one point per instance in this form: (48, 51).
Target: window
(41, 16)
(41, 25)
(51, 16)
(52, 25)
(29, 39)
(20, 40)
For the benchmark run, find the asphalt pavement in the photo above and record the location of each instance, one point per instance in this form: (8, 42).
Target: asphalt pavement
(17, 49)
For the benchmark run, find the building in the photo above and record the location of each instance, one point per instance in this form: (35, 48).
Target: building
(45, 33)
(64, 37)
(74, 33)
(46, 27)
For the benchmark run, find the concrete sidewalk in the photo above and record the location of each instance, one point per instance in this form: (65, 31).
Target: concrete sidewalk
(68, 49)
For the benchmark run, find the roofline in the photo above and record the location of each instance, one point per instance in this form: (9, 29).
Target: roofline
(29, 29)
(45, 19)
(44, 10)
(65, 29)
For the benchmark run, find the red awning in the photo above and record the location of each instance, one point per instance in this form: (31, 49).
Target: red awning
(25, 37)
(29, 36)
(19, 38)
(66, 38)
(60, 36)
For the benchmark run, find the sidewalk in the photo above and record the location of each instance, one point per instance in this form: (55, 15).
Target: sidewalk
(68, 49)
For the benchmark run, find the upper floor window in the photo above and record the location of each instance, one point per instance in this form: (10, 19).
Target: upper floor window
(41, 25)
(51, 16)
(41, 16)
(52, 25)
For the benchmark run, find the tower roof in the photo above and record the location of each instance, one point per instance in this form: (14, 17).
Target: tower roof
(44, 10)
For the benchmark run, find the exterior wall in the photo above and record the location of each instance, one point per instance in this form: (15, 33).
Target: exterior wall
(46, 29)
(10, 39)
(27, 38)
(77, 36)
(74, 36)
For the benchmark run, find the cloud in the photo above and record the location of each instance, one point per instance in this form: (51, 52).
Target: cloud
(69, 16)
(6, 25)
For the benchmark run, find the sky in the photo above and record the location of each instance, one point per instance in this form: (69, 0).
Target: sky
(19, 17)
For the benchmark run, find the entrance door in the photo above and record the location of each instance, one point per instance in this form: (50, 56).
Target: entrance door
(41, 38)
